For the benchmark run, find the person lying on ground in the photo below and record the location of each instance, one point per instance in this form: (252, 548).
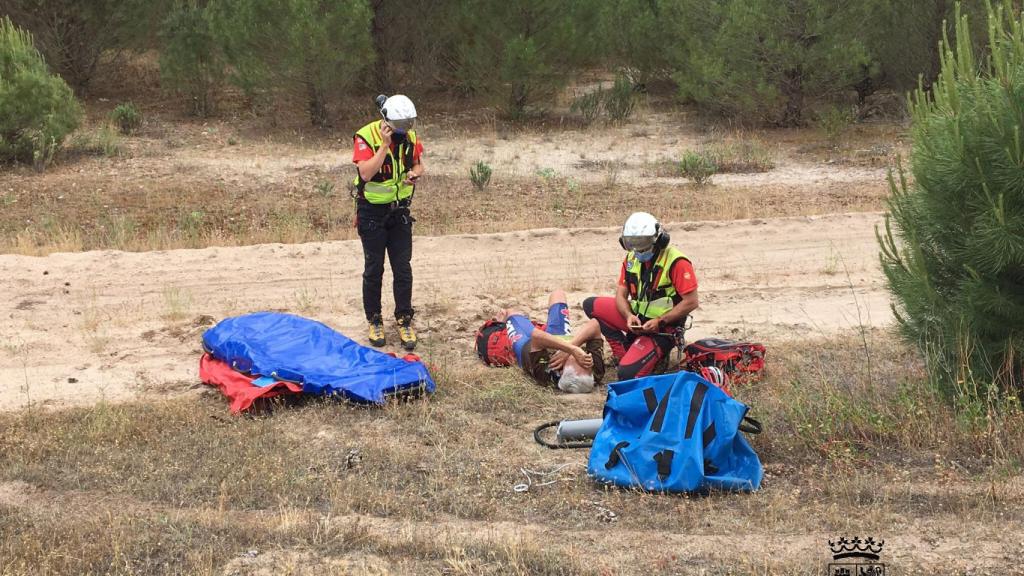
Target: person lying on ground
(657, 290)
(551, 354)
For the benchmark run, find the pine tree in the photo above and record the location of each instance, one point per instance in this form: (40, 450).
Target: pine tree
(520, 54)
(953, 246)
(191, 60)
(74, 34)
(763, 60)
(313, 49)
(37, 108)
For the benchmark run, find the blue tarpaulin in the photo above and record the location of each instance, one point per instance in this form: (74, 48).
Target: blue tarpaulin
(290, 348)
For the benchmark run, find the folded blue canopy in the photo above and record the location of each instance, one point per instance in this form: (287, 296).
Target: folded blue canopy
(296, 349)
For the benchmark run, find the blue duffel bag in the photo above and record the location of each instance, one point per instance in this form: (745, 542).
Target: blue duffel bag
(674, 433)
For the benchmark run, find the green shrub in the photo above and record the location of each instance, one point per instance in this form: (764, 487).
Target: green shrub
(37, 109)
(588, 106)
(744, 155)
(698, 166)
(621, 99)
(834, 122)
(480, 175)
(108, 141)
(325, 188)
(127, 118)
(953, 245)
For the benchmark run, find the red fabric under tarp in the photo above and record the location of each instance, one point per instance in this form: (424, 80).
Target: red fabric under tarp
(238, 387)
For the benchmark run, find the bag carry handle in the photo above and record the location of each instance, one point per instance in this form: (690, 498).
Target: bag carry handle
(750, 426)
(615, 456)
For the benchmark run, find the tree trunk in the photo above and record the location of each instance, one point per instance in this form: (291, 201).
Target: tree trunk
(793, 90)
(378, 33)
(317, 105)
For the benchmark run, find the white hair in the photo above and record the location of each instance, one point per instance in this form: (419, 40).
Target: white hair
(574, 382)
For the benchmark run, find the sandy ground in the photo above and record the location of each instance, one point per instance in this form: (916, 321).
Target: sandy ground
(80, 327)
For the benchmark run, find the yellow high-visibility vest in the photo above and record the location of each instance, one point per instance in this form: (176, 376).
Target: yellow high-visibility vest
(657, 295)
(387, 185)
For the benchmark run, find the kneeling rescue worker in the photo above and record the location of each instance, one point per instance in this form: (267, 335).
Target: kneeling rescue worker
(657, 290)
(388, 157)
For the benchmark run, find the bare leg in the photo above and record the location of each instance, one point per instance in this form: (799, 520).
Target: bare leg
(589, 331)
(557, 297)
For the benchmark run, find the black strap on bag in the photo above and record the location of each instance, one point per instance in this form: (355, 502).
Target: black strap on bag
(709, 435)
(696, 402)
(615, 456)
(750, 426)
(664, 460)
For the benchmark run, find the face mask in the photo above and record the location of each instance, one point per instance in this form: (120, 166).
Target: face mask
(645, 256)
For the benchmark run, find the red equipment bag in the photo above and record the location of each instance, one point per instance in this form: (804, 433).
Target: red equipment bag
(739, 360)
(493, 345)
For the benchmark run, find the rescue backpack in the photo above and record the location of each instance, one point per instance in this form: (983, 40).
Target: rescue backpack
(741, 361)
(674, 433)
(493, 345)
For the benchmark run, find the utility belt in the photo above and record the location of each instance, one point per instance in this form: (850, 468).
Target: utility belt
(387, 215)
(385, 207)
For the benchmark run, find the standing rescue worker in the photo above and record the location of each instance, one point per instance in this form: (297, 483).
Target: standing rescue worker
(657, 290)
(388, 157)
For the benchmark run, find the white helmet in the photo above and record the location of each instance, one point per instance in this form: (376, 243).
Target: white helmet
(640, 232)
(399, 112)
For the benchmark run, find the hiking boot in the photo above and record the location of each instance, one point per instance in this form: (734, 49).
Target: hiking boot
(406, 334)
(375, 332)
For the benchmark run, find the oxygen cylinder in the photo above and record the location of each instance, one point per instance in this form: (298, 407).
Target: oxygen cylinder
(570, 430)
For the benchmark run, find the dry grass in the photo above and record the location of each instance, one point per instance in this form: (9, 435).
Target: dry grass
(854, 441)
(94, 216)
(185, 185)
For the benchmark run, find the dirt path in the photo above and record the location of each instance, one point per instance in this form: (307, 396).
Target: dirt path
(80, 327)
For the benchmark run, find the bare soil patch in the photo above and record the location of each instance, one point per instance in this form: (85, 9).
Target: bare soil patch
(124, 324)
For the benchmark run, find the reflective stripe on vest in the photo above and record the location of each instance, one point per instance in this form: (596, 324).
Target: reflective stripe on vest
(649, 301)
(387, 185)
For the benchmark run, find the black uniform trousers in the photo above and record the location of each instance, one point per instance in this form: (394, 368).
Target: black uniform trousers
(386, 228)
